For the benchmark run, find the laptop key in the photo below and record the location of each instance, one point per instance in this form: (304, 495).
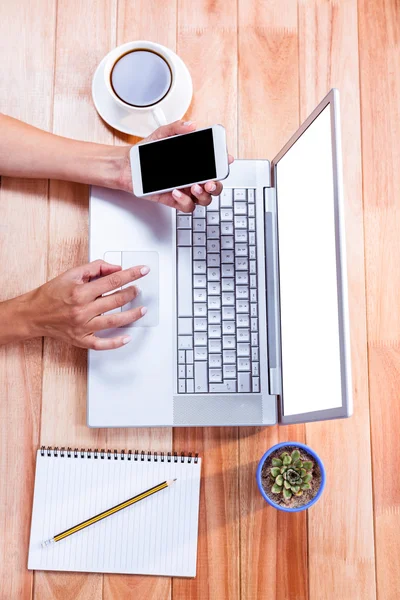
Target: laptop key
(256, 384)
(226, 198)
(229, 372)
(184, 274)
(254, 353)
(214, 346)
(215, 375)
(189, 357)
(250, 195)
(228, 386)
(244, 382)
(181, 357)
(189, 386)
(199, 225)
(243, 349)
(239, 194)
(200, 338)
(185, 342)
(199, 212)
(189, 371)
(182, 372)
(244, 364)
(215, 361)
(200, 310)
(182, 386)
(200, 377)
(184, 222)
(184, 237)
(200, 353)
(229, 357)
(200, 324)
(185, 326)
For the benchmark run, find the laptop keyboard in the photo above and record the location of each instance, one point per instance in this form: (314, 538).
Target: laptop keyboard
(218, 338)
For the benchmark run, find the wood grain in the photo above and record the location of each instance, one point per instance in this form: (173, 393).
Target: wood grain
(379, 47)
(268, 105)
(341, 539)
(83, 38)
(207, 42)
(26, 88)
(258, 67)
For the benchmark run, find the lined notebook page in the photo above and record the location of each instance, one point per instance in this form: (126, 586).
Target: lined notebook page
(156, 536)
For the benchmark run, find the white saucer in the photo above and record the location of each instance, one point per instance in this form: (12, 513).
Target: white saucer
(142, 123)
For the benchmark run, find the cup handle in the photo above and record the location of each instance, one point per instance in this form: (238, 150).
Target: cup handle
(159, 117)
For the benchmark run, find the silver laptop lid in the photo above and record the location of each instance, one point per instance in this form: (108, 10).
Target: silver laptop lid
(314, 337)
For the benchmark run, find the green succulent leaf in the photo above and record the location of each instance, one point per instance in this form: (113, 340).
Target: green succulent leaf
(286, 460)
(303, 473)
(295, 489)
(287, 494)
(276, 462)
(283, 469)
(279, 480)
(284, 454)
(287, 485)
(298, 464)
(275, 471)
(276, 489)
(305, 486)
(285, 475)
(307, 478)
(307, 465)
(295, 456)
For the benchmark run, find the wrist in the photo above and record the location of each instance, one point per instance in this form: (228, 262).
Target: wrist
(112, 167)
(17, 321)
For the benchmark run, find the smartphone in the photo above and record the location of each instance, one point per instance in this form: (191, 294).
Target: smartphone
(179, 161)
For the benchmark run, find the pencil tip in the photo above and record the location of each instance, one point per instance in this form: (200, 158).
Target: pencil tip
(174, 479)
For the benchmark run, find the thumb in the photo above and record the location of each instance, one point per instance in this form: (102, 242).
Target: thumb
(176, 128)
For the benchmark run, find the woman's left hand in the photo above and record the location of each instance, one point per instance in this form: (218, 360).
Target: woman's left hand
(183, 199)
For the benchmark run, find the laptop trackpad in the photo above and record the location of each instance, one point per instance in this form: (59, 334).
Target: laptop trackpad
(149, 286)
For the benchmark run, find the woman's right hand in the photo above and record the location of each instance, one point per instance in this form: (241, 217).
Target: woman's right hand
(71, 307)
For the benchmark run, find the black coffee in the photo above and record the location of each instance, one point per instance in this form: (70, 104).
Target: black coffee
(141, 78)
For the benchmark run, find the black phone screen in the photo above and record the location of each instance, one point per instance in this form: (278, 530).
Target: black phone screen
(177, 161)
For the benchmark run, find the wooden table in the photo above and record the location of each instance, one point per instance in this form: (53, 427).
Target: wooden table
(259, 67)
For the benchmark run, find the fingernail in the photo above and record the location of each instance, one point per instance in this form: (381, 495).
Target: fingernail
(143, 311)
(126, 339)
(188, 123)
(144, 270)
(197, 189)
(138, 290)
(177, 194)
(212, 187)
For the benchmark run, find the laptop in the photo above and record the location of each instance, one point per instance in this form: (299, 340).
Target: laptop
(247, 319)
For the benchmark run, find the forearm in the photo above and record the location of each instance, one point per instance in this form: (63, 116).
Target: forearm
(26, 151)
(16, 322)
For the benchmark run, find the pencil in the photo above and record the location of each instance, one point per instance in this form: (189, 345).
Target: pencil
(107, 513)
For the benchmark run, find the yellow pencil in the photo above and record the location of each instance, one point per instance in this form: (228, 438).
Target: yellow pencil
(110, 511)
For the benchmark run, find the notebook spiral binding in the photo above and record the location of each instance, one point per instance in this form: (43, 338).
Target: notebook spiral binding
(135, 455)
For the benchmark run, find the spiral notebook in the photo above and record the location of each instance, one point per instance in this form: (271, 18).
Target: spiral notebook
(156, 536)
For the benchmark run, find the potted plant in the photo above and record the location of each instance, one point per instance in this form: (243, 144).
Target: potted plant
(291, 477)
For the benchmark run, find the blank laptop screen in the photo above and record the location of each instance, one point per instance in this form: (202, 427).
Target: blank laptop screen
(308, 275)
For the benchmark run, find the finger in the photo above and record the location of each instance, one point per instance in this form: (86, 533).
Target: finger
(200, 194)
(95, 343)
(230, 159)
(97, 268)
(213, 187)
(97, 288)
(121, 319)
(112, 301)
(184, 201)
(176, 128)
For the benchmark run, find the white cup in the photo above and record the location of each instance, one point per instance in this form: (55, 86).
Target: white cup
(155, 109)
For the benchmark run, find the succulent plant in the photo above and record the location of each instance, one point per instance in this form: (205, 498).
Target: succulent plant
(291, 475)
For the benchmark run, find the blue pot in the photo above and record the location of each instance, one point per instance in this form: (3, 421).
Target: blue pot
(311, 453)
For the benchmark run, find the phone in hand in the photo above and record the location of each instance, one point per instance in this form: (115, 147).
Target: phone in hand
(179, 161)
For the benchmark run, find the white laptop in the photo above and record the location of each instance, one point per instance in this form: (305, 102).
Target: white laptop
(247, 319)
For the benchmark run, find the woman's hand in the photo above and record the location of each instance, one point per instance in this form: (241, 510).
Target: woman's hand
(71, 307)
(183, 199)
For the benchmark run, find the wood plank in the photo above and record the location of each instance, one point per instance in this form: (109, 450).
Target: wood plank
(207, 40)
(268, 93)
(26, 88)
(155, 21)
(341, 539)
(379, 36)
(84, 36)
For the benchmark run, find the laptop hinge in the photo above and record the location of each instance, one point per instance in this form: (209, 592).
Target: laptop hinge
(272, 278)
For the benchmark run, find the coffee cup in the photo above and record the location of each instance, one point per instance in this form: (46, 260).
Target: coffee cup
(139, 77)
